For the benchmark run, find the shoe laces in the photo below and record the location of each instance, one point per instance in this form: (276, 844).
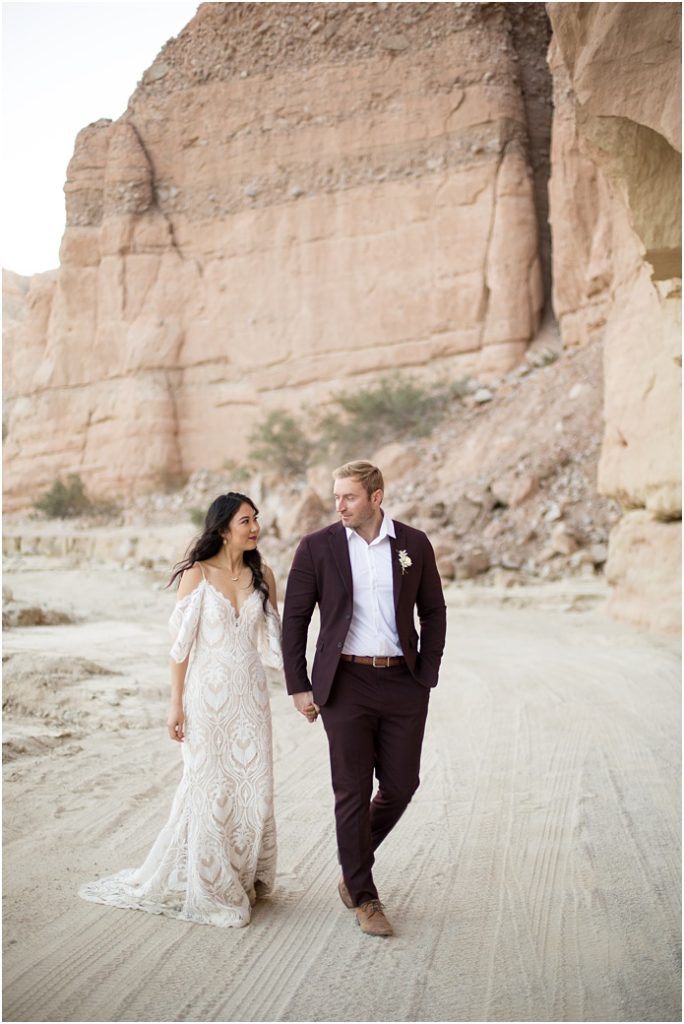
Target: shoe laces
(373, 907)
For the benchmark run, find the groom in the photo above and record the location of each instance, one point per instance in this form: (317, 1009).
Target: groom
(370, 678)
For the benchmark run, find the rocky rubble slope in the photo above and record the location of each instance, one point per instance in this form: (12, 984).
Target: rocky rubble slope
(505, 488)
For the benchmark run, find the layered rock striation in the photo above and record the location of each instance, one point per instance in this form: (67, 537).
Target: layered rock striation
(298, 196)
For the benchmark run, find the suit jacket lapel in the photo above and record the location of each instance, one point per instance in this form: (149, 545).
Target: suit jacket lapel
(340, 548)
(396, 544)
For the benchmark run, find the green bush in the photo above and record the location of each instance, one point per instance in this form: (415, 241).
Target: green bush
(239, 472)
(65, 500)
(357, 421)
(197, 517)
(279, 443)
(390, 409)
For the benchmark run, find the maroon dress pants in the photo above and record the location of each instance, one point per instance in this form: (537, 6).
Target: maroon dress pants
(375, 720)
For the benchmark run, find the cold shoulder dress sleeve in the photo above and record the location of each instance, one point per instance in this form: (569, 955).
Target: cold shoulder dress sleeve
(270, 639)
(184, 622)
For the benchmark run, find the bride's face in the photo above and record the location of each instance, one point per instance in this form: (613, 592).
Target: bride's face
(243, 530)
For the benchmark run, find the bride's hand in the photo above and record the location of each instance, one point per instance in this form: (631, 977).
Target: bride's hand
(175, 723)
(304, 703)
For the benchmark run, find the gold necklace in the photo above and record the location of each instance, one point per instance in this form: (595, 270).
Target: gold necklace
(224, 568)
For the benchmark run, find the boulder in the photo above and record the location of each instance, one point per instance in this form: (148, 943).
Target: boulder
(395, 461)
(646, 592)
(473, 563)
(307, 515)
(523, 488)
(562, 540)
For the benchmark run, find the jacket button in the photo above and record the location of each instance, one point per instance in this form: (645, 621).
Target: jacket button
(339, 645)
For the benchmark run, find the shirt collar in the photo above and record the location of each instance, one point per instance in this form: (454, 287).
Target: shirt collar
(386, 529)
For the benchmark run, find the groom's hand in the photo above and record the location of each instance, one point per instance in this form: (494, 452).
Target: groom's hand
(304, 703)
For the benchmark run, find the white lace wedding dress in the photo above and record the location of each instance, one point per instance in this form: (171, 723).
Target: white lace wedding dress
(217, 851)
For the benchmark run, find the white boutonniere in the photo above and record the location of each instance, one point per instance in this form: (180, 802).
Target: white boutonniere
(404, 561)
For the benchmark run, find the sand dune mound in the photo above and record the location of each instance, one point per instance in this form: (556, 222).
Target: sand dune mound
(50, 687)
(35, 615)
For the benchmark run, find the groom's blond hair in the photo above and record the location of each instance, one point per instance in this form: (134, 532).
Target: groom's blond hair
(365, 472)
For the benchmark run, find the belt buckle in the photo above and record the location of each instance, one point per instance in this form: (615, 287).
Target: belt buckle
(386, 657)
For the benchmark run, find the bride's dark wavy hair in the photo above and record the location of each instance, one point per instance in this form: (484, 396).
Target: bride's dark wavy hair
(218, 518)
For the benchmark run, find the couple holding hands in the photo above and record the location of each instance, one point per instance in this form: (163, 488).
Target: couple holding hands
(370, 684)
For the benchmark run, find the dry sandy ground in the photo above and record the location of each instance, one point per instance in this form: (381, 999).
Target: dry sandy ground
(534, 877)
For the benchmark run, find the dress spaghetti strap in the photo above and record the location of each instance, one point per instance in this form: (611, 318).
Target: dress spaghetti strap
(202, 570)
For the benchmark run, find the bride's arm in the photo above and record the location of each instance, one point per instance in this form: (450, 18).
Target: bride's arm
(271, 584)
(175, 723)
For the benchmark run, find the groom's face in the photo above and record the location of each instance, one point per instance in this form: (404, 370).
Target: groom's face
(352, 503)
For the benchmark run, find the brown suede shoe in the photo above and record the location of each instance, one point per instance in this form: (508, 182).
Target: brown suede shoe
(371, 918)
(344, 894)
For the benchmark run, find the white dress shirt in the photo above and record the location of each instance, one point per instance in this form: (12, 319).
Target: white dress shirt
(373, 628)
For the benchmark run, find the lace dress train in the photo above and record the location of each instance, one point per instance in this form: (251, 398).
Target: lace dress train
(217, 851)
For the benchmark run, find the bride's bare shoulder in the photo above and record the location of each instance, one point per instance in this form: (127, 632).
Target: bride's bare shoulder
(190, 579)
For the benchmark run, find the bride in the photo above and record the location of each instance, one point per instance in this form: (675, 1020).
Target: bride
(217, 851)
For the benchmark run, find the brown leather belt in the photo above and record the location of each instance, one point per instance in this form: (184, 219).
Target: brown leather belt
(378, 661)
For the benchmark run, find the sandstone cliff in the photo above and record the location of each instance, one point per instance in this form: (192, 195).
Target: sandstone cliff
(15, 289)
(615, 199)
(298, 194)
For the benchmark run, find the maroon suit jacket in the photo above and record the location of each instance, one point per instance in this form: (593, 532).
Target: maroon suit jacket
(321, 574)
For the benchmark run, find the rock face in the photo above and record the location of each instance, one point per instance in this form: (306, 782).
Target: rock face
(26, 307)
(14, 291)
(298, 195)
(615, 200)
(304, 195)
(643, 551)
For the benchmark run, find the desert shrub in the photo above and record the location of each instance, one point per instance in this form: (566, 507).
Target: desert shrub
(546, 358)
(279, 443)
(65, 500)
(197, 517)
(239, 472)
(390, 409)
